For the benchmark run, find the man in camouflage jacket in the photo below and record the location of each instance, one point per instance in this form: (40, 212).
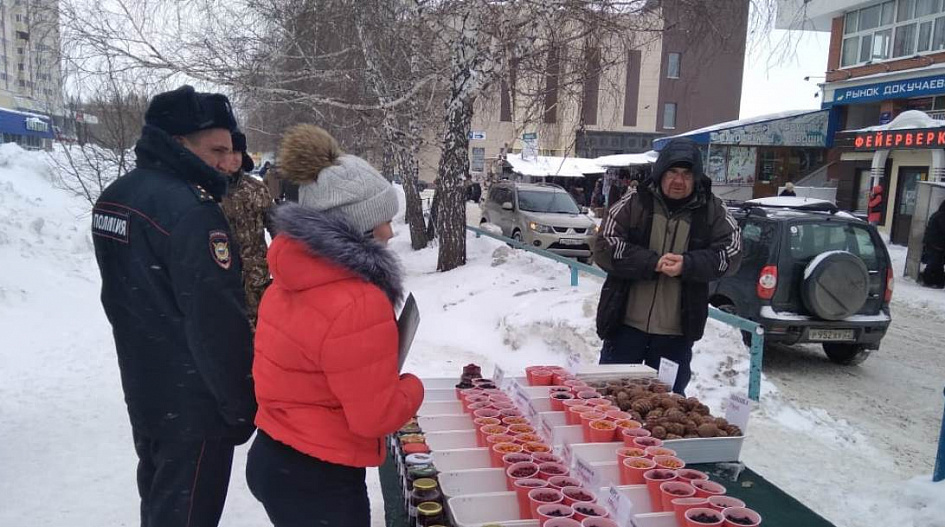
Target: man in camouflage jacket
(246, 206)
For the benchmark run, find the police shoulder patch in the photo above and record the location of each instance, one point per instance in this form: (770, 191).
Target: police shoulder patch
(220, 248)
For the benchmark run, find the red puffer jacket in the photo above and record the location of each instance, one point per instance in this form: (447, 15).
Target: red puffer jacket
(326, 343)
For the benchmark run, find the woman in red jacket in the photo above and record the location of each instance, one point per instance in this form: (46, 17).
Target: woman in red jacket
(325, 364)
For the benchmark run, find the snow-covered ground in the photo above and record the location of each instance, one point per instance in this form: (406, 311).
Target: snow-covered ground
(67, 459)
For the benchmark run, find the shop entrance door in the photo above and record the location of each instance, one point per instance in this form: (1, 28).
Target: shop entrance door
(906, 190)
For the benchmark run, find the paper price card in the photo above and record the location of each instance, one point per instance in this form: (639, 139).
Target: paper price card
(574, 363)
(547, 431)
(520, 396)
(498, 376)
(587, 474)
(530, 410)
(620, 506)
(567, 455)
(668, 372)
(738, 411)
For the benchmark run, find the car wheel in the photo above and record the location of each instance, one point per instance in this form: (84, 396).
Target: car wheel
(836, 285)
(517, 236)
(483, 221)
(730, 309)
(846, 354)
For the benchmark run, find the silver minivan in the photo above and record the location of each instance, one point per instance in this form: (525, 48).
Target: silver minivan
(542, 215)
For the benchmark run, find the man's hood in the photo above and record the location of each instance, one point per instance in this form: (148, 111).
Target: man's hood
(681, 151)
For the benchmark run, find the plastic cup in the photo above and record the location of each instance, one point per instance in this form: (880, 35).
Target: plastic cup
(539, 497)
(521, 429)
(597, 522)
(626, 451)
(545, 457)
(586, 418)
(742, 513)
(562, 522)
(654, 478)
(630, 474)
(688, 474)
(646, 442)
(551, 511)
(588, 394)
(514, 420)
(481, 422)
(560, 482)
(574, 495)
(522, 487)
(670, 462)
(654, 451)
(583, 511)
(542, 377)
(599, 404)
(672, 490)
(499, 450)
(521, 470)
(486, 412)
(697, 511)
(574, 413)
(535, 447)
(602, 431)
(706, 488)
(723, 502)
(549, 470)
(616, 415)
(681, 505)
(557, 400)
(510, 459)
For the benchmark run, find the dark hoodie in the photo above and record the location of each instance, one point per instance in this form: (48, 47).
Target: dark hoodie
(934, 238)
(640, 228)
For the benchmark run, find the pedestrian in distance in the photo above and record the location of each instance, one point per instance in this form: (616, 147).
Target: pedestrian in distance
(326, 365)
(875, 205)
(247, 206)
(788, 190)
(173, 293)
(933, 250)
(660, 247)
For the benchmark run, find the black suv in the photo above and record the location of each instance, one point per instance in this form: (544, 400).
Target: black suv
(810, 273)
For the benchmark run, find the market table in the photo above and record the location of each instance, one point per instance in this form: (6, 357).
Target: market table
(777, 507)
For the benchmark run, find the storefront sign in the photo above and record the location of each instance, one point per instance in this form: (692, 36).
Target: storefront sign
(894, 139)
(806, 130)
(889, 90)
(36, 125)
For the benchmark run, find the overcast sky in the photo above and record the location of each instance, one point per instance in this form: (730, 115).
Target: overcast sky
(774, 83)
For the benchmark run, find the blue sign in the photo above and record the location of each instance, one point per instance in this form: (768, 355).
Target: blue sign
(477, 136)
(880, 91)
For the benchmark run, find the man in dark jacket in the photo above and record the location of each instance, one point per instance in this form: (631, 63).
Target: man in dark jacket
(661, 246)
(172, 290)
(933, 250)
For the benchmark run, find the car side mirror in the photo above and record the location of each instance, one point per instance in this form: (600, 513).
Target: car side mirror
(585, 210)
(507, 206)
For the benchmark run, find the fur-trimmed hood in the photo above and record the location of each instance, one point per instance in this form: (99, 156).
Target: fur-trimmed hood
(304, 151)
(329, 236)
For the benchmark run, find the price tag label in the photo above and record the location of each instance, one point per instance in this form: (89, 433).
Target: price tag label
(530, 410)
(574, 363)
(668, 372)
(520, 396)
(620, 506)
(587, 474)
(567, 455)
(738, 410)
(498, 377)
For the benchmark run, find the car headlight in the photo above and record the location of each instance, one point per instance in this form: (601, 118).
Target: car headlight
(595, 229)
(538, 227)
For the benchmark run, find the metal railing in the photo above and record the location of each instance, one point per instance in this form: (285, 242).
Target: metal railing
(938, 473)
(756, 350)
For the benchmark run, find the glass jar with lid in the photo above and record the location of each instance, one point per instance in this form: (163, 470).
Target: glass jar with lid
(429, 514)
(425, 490)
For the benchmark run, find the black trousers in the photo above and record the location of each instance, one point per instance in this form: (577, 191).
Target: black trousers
(629, 345)
(934, 273)
(182, 484)
(298, 490)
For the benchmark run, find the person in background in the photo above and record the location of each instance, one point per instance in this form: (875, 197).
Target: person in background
(264, 169)
(875, 205)
(933, 250)
(788, 190)
(660, 247)
(326, 364)
(172, 290)
(247, 205)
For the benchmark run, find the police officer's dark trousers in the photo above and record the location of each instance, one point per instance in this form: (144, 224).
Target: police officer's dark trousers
(182, 483)
(629, 345)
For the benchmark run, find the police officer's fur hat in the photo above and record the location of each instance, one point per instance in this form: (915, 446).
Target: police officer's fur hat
(184, 111)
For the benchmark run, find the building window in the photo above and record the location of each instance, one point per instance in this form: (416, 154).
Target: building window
(669, 115)
(478, 161)
(672, 67)
(19, 51)
(892, 29)
(22, 84)
(20, 66)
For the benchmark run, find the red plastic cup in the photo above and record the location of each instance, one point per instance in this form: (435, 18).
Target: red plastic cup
(499, 450)
(491, 430)
(559, 376)
(522, 487)
(510, 459)
(654, 478)
(633, 475)
(629, 434)
(586, 418)
(481, 422)
(601, 431)
(672, 490)
(646, 442)
(574, 495)
(562, 522)
(539, 497)
(706, 488)
(588, 394)
(545, 457)
(573, 416)
(583, 511)
(628, 451)
(681, 505)
(535, 447)
(514, 420)
(521, 470)
(597, 522)
(505, 412)
(549, 470)
(521, 429)
(560, 482)
(616, 415)
(541, 377)
(723, 502)
(601, 405)
(654, 451)
(741, 513)
(529, 372)
(670, 462)
(528, 438)
(551, 511)
(703, 511)
(575, 385)
(478, 405)
(688, 474)
(486, 412)
(557, 400)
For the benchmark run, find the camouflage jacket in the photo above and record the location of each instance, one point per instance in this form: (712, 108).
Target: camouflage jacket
(246, 206)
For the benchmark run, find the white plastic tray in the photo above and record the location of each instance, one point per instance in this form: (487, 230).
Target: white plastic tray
(703, 450)
(474, 481)
(443, 423)
(451, 439)
(440, 408)
(473, 510)
(461, 459)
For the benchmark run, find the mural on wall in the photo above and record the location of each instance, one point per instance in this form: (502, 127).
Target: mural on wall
(731, 165)
(807, 130)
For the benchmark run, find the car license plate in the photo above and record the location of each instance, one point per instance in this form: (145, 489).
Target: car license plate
(571, 241)
(831, 335)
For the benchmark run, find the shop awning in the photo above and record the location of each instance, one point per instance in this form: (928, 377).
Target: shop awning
(25, 123)
(803, 128)
(553, 166)
(627, 160)
(911, 129)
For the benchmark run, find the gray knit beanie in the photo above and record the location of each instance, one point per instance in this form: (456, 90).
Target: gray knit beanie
(354, 189)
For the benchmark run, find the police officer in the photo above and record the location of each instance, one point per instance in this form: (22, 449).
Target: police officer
(172, 291)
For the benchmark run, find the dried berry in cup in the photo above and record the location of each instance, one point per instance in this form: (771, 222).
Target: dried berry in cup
(578, 495)
(739, 520)
(544, 497)
(704, 517)
(523, 472)
(587, 511)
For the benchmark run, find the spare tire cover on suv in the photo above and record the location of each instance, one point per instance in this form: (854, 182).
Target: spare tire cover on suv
(835, 285)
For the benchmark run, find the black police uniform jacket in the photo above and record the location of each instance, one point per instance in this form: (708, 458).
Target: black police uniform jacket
(172, 290)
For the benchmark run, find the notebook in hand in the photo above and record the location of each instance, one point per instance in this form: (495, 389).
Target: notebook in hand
(407, 324)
